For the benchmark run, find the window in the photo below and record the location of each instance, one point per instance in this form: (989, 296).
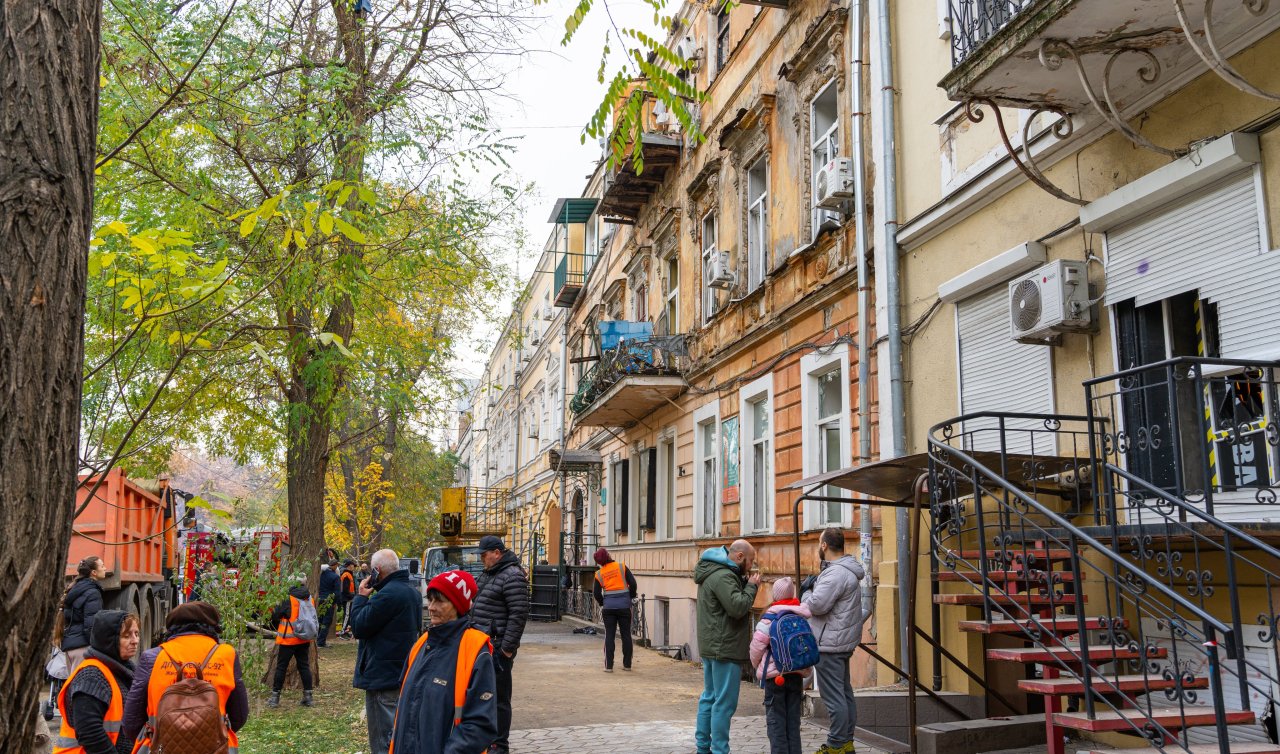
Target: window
(671, 291)
(722, 37)
(826, 435)
(618, 510)
(709, 252)
(646, 497)
(756, 400)
(590, 245)
(667, 471)
(824, 135)
(706, 517)
(757, 223)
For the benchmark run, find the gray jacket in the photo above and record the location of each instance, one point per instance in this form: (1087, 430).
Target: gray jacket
(836, 603)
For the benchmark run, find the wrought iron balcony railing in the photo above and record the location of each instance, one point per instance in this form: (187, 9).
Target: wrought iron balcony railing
(656, 355)
(973, 22)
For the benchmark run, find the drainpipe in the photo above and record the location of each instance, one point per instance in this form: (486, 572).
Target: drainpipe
(564, 375)
(887, 289)
(865, 543)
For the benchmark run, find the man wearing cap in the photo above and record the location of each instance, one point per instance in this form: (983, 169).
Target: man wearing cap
(614, 589)
(447, 698)
(501, 610)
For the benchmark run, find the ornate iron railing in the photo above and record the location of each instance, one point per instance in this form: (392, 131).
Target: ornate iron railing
(656, 355)
(973, 22)
(580, 604)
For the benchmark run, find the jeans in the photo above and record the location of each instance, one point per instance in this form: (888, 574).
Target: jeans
(301, 653)
(326, 620)
(721, 681)
(380, 709)
(837, 696)
(502, 675)
(783, 706)
(615, 619)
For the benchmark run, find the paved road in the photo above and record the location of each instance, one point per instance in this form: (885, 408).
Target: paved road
(565, 702)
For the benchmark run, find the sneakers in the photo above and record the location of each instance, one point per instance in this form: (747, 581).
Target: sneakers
(847, 748)
(608, 670)
(627, 668)
(273, 701)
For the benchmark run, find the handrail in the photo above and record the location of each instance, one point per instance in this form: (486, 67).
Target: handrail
(1176, 361)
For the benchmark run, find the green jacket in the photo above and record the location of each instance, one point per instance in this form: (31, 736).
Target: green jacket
(724, 607)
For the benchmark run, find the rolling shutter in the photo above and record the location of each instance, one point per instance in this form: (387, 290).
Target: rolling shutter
(1210, 242)
(999, 374)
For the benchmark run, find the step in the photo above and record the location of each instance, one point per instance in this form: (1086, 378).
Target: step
(1020, 600)
(1020, 576)
(1128, 719)
(1017, 554)
(1069, 655)
(1108, 684)
(1060, 626)
(1235, 748)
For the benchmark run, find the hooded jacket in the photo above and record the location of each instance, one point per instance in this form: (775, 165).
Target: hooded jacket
(89, 695)
(424, 718)
(724, 607)
(285, 608)
(83, 601)
(760, 637)
(502, 605)
(836, 603)
(387, 624)
(330, 584)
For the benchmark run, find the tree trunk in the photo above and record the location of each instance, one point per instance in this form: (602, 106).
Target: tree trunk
(307, 461)
(48, 125)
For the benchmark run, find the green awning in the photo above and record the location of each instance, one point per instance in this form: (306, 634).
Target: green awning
(573, 211)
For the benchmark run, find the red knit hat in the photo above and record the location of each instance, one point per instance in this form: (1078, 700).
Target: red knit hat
(601, 556)
(459, 587)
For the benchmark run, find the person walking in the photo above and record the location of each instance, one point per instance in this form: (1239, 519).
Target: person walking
(91, 703)
(615, 588)
(501, 610)
(80, 604)
(346, 593)
(327, 601)
(288, 646)
(193, 633)
(783, 692)
(836, 604)
(386, 616)
(726, 592)
(447, 697)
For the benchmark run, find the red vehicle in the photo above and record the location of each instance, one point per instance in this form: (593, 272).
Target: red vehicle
(267, 543)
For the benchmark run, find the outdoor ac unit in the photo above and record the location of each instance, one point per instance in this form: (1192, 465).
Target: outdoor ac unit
(1054, 299)
(533, 432)
(688, 50)
(525, 358)
(720, 274)
(493, 401)
(834, 184)
(546, 312)
(535, 338)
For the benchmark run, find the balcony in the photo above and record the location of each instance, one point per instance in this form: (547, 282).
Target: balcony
(627, 191)
(1069, 55)
(573, 251)
(635, 376)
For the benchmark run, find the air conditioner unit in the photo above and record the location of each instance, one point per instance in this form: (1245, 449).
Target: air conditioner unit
(1052, 300)
(533, 432)
(535, 338)
(546, 313)
(720, 276)
(687, 49)
(525, 358)
(834, 184)
(493, 401)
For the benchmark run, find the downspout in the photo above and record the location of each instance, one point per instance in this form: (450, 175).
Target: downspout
(564, 376)
(887, 282)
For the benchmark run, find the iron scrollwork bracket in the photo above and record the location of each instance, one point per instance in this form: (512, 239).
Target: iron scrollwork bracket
(1062, 128)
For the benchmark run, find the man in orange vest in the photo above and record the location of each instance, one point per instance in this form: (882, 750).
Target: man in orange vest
(192, 634)
(91, 703)
(346, 593)
(289, 646)
(615, 588)
(448, 696)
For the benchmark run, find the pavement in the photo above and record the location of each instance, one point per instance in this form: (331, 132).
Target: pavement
(564, 701)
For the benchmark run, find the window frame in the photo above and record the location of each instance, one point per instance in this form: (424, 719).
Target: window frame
(708, 415)
(829, 141)
(750, 398)
(813, 366)
(668, 492)
(710, 302)
(722, 37)
(758, 236)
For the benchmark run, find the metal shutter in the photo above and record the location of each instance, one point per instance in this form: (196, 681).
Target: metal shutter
(999, 374)
(1209, 241)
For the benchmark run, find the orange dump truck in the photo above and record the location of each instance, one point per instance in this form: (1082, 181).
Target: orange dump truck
(133, 529)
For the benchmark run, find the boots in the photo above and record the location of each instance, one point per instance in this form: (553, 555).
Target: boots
(306, 699)
(273, 701)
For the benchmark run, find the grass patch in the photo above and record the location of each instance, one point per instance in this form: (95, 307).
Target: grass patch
(332, 726)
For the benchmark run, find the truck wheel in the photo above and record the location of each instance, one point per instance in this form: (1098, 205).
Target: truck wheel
(146, 620)
(126, 599)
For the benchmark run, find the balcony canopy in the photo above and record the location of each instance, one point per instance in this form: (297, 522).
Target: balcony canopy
(572, 211)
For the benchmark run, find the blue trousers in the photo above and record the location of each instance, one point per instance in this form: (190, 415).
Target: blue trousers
(721, 681)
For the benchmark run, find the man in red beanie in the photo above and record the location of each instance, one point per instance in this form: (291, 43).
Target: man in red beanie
(448, 697)
(614, 590)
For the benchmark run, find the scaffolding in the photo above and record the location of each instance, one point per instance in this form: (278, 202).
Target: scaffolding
(487, 512)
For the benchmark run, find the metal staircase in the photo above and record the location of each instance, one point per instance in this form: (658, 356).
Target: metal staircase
(1128, 554)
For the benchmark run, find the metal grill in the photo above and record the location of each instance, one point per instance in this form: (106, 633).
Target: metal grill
(973, 22)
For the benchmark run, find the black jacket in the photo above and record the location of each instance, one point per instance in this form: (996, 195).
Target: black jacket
(502, 607)
(329, 587)
(83, 601)
(387, 625)
(424, 724)
(285, 608)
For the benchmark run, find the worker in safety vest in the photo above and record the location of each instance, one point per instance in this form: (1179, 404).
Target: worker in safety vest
(91, 703)
(346, 593)
(192, 631)
(448, 699)
(289, 646)
(615, 588)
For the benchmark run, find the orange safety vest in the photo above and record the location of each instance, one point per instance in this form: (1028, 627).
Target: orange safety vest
(473, 640)
(66, 742)
(220, 673)
(284, 631)
(613, 578)
(348, 583)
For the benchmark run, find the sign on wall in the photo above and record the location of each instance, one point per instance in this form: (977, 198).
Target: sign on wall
(729, 458)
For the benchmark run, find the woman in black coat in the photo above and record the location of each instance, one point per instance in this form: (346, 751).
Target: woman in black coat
(88, 695)
(79, 606)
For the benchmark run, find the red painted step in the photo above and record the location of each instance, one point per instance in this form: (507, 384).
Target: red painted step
(1236, 748)
(1015, 554)
(1021, 576)
(1107, 684)
(1061, 625)
(1170, 719)
(1019, 600)
(1070, 655)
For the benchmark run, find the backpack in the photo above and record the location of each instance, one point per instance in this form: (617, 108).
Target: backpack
(792, 645)
(188, 717)
(307, 626)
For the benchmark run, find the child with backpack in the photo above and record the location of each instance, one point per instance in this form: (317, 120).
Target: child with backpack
(783, 653)
(297, 627)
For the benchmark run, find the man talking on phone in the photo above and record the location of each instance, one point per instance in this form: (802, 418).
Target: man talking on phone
(386, 616)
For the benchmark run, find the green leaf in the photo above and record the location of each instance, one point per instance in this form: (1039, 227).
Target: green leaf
(326, 223)
(268, 208)
(113, 229)
(248, 224)
(344, 195)
(349, 230)
(367, 196)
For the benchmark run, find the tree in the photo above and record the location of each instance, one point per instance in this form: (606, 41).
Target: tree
(48, 126)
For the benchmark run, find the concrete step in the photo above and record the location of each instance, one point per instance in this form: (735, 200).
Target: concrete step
(1236, 748)
(1060, 625)
(1128, 719)
(1069, 655)
(1027, 600)
(1108, 684)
